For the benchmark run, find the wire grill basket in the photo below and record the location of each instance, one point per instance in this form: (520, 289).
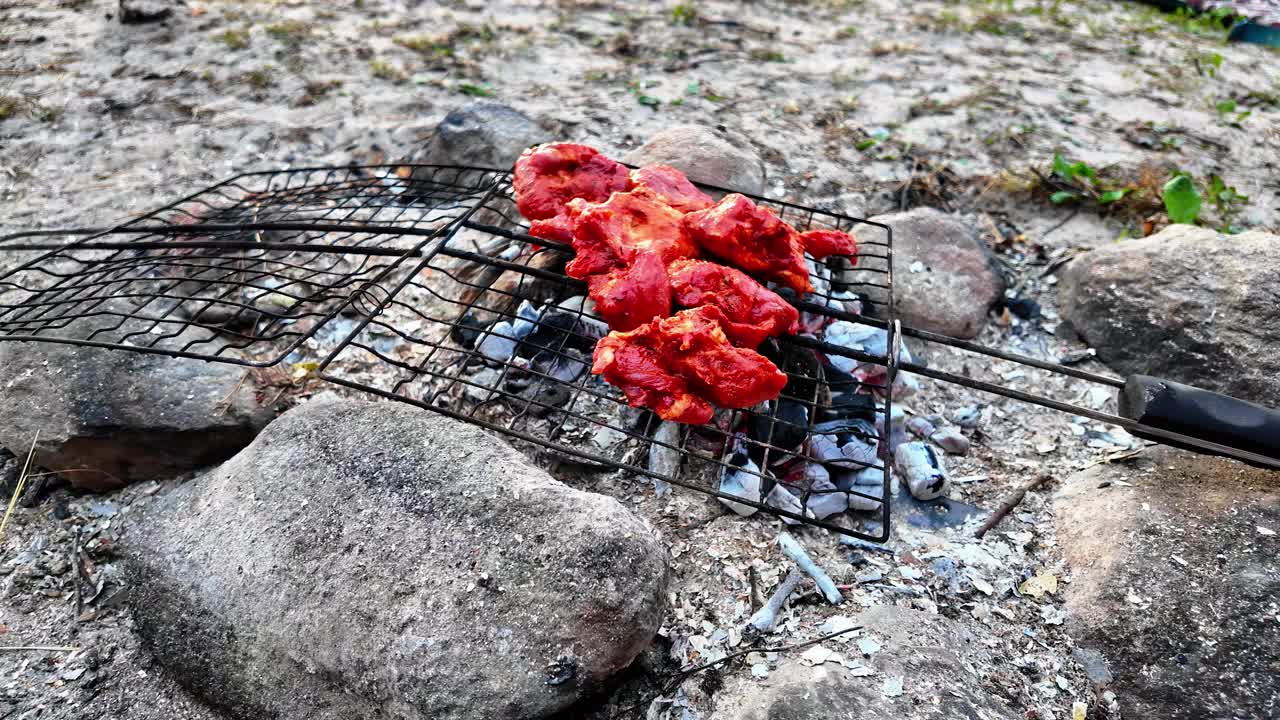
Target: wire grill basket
(419, 283)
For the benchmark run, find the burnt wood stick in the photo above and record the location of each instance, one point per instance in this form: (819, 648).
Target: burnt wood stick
(1008, 505)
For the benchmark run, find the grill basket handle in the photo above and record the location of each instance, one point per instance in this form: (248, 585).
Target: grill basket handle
(1200, 414)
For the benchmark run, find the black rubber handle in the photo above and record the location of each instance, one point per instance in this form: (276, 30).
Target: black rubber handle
(1200, 414)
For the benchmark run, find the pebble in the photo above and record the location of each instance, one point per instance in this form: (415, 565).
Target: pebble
(967, 416)
(951, 440)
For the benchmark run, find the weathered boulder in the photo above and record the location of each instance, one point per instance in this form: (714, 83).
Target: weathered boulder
(706, 156)
(1188, 304)
(106, 418)
(374, 560)
(945, 277)
(1174, 581)
(930, 654)
(484, 134)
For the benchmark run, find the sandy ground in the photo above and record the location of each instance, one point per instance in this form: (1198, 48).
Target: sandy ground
(848, 102)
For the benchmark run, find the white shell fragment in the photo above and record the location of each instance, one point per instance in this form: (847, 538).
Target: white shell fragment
(921, 469)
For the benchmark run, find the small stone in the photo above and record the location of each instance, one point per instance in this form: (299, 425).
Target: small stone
(953, 278)
(966, 417)
(706, 156)
(482, 134)
(137, 12)
(892, 686)
(951, 440)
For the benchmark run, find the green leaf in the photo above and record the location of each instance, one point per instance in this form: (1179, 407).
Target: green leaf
(1111, 196)
(1060, 167)
(864, 144)
(648, 100)
(476, 90)
(1063, 196)
(1182, 200)
(693, 88)
(1226, 106)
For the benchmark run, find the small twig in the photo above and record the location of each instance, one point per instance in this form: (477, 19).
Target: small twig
(1075, 211)
(681, 675)
(79, 574)
(1010, 504)
(765, 619)
(794, 550)
(35, 648)
(22, 483)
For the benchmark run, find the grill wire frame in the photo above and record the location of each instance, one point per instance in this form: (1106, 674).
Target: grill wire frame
(309, 203)
(398, 187)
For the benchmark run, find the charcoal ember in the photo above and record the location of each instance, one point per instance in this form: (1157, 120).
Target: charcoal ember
(815, 473)
(584, 308)
(467, 331)
(951, 440)
(784, 429)
(920, 426)
(526, 319)
(921, 468)
(852, 303)
(845, 400)
(873, 341)
(865, 497)
(499, 343)
(781, 498)
(800, 364)
(825, 499)
(741, 478)
(565, 366)
(820, 278)
(870, 477)
(664, 455)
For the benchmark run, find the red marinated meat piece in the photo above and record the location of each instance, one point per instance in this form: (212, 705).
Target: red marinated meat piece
(752, 238)
(690, 347)
(547, 177)
(612, 232)
(558, 228)
(821, 243)
(645, 379)
(670, 186)
(751, 311)
(628, 297)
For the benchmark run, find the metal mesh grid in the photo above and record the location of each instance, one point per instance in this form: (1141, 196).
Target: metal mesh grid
(242, 272)
(487, 328)
(411, 270)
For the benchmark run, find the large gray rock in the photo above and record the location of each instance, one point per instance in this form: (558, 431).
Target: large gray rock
(956, 280)
(484, 134)
(1174, 580)
(106, 418)
(367, 560)
(1187, 304)
(706, 156)
(936, 659)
